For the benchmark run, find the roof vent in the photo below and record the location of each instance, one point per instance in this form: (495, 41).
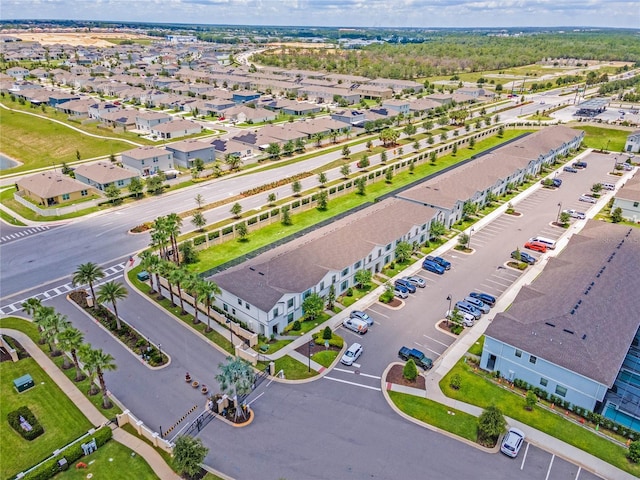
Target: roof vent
(568, 331)
(549, 323)
(573, 311)
(260, 273)
(252, 269)
(584, 336)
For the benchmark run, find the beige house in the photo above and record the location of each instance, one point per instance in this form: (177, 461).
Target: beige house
(52, 188)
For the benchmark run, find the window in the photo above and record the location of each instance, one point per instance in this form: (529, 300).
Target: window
(357, 265)
(387, 248)
(519, 353)
(142, 162)
(65, 196)
(155, 159)
(290, 318)
(246, 305)
(239, 301)
(275, 312)
(225, 307)
(306, 294)
(321, 285)
(121, 183)
(84, 193)
(345, 272)
(370, 258)
(344, 285)
(233, 311)
(333, 279)
(635, 204)
(543, 382)
(290, 303)
(561, 391)
(533, 359)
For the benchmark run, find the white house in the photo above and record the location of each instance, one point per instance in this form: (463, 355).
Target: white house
(628, 199)
(632, 144)
(148, 160)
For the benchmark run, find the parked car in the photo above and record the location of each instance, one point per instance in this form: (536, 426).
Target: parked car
(417, 281)
(570, 169)
(479, 304)
(585, 197)
(547, 242)
(440, 261)
(575, 214)
(609, 186)
(417, 356)
(430, 266)
(468, 320)
(557, 182)
(524, 257)
(468, 308)
(485, 297)
(352, 354)
(359, 314)
(400, 292)
(512, 442)
(536, 247)
(410, 287)
(579, 164)
(356, 325)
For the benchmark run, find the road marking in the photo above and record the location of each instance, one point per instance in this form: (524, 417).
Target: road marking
(355, 365)
(491, 287)
(437, 341)
(249, 404)
(352, 383)
(497, 283)
(578, 472)
(550, 465)
(379, 313)
(524, 457)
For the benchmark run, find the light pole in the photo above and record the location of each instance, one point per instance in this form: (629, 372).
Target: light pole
(559, 208)
(469, 239)
(449, 312)
(311, 344)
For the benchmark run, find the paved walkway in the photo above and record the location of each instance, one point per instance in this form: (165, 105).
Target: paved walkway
(153, 458)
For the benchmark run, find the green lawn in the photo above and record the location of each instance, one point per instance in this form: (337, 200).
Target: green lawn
(49, 143)
(459, 423)
(600, 138)
(476, 348)
(325, 358)
(294, 370)
(481, 392)
(61, 419)
(112, 461)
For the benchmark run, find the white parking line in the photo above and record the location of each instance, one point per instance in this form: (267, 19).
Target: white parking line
(497, 283)
(491, 287)
(379, 313)
(437, 341)
(377, 389)
(353, 372)
(550, 465)
(578, 472)
(524, 457)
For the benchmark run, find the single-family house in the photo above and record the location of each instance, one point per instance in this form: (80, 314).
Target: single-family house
(628, 199)
(102, 174)
(148, 160)
(19, 73)
(350, 117)
(225, 147)
(186, 151)
(52, 188)
(176, 129)
(396, 107)
(244, 114)
(245, 96)
(147, 120)
(632, 145)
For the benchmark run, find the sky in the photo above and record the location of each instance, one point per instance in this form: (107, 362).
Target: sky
(339, 13)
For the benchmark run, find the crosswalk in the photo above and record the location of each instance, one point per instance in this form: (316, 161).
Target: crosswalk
(110, 274)
(23, 233)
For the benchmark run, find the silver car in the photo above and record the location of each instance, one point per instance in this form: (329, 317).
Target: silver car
(417, 281)
(362, 316)
(400, 293)
(479, 304)
(576, 214)
(588, 198)
(352, 354)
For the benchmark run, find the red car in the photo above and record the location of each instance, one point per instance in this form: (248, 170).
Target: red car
(536, 246)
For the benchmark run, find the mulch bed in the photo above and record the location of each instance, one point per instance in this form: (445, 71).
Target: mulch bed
(395, 376)
(304, 349)
(395, 302)
(444, 325)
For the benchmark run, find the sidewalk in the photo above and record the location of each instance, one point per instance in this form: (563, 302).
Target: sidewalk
(153, 458)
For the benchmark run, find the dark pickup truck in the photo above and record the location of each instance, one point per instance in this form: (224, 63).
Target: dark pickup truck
(417, 356)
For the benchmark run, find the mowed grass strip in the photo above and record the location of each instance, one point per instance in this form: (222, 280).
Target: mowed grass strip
(61, 419)
(40, 143)
(601, 138)
(459, 423)
(483, 393)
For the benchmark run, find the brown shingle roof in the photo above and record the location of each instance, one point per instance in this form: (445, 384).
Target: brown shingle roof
(103, 172)
(50, 184)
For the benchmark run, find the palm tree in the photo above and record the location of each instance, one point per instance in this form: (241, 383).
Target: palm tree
(166, 268)
(191, 284)
(151, 263)
(160, 236)
(71, 340)
(174, 222)
(99, 362)
(31, 306)
(88, 273)
(111, 292)
(40, 315)
(86, 353)
(236, 377)
(207, 291)
(177, 277)
(53, 324)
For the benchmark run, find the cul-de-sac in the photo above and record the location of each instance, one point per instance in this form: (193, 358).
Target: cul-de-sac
(260, 239)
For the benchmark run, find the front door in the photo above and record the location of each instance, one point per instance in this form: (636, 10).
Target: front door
(491, 363)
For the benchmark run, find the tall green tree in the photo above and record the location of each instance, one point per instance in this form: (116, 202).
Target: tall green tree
(174, 224)
(323, 199)
(322, 179)
(491, 424)
(88, 273)
(296, 188)
(345, 170)
(53, 324)
(236, 210)
(177, 277)
(112, 291)
(207, 291)
(403, 252)
(362, 277)
(100, 362)
(71, 339)
(31, 305)
(113, 193)
(188, 455)
(312, 306)
(135, 187)
(199, 221)
(236, 377)
(150, 263)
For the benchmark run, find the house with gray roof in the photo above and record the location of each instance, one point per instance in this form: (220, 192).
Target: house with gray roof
(574, 331)
(186, 151)
(628, 199)
(148, 160)
(632, 145)
(102, 174)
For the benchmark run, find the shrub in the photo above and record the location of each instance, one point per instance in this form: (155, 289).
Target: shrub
(410, 371)
(455, 381)
(296, 326)
(634, 452)
(349, 292)
(456, 329)
(327, 333)
(531, 400)
(14, 421)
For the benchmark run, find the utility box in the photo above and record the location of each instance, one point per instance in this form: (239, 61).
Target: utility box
(62, 464)
(143, 276)
(23, 383)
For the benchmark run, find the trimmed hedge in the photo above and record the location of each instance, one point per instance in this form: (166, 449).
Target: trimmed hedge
(14, 421)
(50, 467)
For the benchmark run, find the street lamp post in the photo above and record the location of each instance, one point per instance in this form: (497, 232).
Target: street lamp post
(449, 312)
(559, 209)
(311, 344)
(469, 239)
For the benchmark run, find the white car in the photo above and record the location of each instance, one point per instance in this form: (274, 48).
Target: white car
(417, 281)
(400, 293)
(468, 320)
(512, 442)
(352, 354)
(588, 198)
(576, 214)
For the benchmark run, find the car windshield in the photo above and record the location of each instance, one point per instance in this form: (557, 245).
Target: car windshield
(350, 353)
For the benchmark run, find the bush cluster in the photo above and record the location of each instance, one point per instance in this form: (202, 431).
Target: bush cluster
(14, 421)
(277, 183)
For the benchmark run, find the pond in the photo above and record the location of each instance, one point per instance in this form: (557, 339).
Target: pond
(6, 163)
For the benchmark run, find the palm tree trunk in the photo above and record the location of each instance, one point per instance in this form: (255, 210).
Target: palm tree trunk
(159, 286)
(106, 403)
(171, 293)
(79, 375)
(182, 311)
(208, 315)
(195, 310)
(152, 291)
(93, 296)
(115, 312)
